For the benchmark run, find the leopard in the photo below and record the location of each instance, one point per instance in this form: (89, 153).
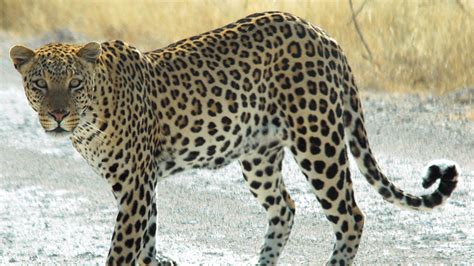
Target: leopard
(268, 84)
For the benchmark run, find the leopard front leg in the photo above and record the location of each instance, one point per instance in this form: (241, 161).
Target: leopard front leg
(133, 240)
(149, 255)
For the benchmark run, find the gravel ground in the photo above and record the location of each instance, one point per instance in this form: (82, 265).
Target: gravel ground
(55, 210)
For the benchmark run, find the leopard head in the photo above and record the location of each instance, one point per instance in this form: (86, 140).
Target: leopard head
(59, 81)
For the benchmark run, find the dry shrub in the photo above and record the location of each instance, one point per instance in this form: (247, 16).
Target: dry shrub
(416, 45)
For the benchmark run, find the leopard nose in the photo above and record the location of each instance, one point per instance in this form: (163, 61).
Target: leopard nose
(58, 115)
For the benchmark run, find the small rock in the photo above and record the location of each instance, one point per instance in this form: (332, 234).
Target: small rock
(463, 96)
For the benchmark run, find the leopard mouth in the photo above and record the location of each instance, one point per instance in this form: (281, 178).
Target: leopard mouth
(58, 129)
(58, 132)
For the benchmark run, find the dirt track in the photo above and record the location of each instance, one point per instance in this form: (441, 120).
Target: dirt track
(55, 210)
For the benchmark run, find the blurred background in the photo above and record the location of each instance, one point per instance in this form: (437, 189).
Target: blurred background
(415, 45)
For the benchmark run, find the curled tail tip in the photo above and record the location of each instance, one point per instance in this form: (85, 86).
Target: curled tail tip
(447, 171)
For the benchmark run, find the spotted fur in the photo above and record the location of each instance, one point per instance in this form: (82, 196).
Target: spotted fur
(241, 92)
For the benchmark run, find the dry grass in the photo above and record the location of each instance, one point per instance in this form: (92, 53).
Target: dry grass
(416, 44)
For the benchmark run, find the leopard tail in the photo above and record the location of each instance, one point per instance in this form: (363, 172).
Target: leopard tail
(356, 137)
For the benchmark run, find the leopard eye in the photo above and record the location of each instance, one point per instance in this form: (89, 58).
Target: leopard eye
(75, 84)
(40, 85)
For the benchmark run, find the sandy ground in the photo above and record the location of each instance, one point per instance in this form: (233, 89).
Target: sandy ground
(55, 210)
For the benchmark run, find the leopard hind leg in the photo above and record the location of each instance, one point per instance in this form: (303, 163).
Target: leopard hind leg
(262, 173)
(326, 168)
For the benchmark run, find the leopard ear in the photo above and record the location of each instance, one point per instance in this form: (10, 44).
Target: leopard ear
(20, 55)
(90, 52)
